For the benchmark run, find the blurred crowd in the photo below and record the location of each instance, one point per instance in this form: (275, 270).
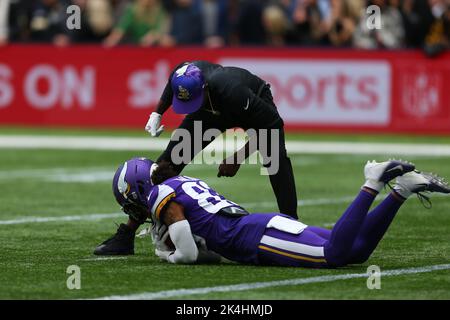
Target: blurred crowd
(215, 23)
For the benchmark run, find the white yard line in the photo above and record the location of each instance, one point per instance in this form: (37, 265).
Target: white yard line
(63, 175)
(104, 258)
(85, 217)
(81, 142)
(153, 144)
(260, 285)
(100, 216)
(266, 204)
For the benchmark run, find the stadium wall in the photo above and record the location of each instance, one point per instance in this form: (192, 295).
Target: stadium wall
(319, 90)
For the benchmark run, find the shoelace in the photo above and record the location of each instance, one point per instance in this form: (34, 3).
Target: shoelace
(424, 200)
(439, 181)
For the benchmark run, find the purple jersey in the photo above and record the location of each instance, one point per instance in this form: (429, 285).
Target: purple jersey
(235, 238)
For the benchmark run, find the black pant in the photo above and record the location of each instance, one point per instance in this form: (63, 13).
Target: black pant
(282, 181)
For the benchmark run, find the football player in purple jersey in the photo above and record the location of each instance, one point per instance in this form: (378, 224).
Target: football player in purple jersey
(200, 221)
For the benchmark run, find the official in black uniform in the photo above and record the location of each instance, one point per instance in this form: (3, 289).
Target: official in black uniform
(221, 98)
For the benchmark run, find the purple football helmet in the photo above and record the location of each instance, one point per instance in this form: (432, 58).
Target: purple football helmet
(131, 186)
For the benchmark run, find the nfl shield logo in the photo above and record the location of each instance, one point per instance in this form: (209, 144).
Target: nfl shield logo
(421, 93)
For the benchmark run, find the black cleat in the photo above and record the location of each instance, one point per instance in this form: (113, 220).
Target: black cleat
(122, 243)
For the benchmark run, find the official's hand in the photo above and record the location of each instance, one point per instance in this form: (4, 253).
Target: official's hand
(153, 125)
(228, 169)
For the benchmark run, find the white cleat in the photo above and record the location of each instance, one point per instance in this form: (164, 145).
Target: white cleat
(415, 182)
(387, 170)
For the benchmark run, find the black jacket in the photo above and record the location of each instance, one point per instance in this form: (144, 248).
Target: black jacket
(240, 98)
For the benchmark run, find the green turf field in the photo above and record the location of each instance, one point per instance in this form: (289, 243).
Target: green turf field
(73, 185)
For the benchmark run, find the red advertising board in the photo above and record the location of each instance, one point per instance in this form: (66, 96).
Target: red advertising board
(326, 90)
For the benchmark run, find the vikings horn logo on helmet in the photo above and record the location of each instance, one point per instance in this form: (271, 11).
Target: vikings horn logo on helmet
(122, 185)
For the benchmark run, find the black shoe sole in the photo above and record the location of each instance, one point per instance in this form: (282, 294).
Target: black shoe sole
(100, 252)
(396, 168)
(437, 184)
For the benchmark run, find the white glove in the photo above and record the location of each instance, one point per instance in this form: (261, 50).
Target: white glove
(153, 125)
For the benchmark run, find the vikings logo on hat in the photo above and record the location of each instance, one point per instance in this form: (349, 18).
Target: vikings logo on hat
(183, 94)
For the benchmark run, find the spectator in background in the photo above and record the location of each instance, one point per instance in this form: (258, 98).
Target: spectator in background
(275, 25)
(417, 19)
(96, 20)
(215, 22)
(438, 37)
(342, 22)
(187, 26)
(196, 22)
(119, 7)
(4, 22)
(48, 22)
(249, 28)
(16, 14)
(308, 22)
(288, 7)
(144, 22)
(390, 36)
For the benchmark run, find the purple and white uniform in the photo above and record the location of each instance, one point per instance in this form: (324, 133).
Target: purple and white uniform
(274, 238)
(235, 238)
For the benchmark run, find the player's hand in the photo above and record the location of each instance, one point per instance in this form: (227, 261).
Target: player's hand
(153, 125)
(163, 255)
(228, 170)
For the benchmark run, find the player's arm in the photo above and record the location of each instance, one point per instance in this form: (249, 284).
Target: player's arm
(230, 166)
(162, 107)
(180, 233)
(153, 125)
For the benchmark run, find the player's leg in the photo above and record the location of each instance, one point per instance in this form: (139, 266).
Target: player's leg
(283, 182)
(375, 226)
(321, 232)
(282, 178)
(208, 121)
(347, 228)
(285, 249)
(379, 219)
(309, 249)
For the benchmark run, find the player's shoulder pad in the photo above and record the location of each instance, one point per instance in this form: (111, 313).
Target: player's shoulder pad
(159, 198)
